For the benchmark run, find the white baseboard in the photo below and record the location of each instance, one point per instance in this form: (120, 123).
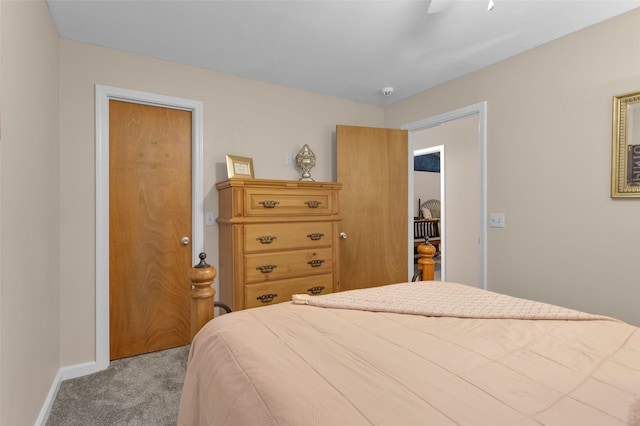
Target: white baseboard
(48, 402)
(64, 373)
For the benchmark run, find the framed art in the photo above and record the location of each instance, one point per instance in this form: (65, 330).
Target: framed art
(625, 156)
(239, 167)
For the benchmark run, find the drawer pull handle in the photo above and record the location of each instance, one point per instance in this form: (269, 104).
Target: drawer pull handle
(315, 263)
(315, 236)
(267, 298)
(265, 269)
(316, 290)
(266, 239)
(312, 204)
(269, 204)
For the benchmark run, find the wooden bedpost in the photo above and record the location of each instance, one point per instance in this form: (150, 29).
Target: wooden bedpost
(202, 303)
(426, 263)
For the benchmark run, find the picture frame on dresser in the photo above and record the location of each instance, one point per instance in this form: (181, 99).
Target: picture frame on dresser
(240, 167)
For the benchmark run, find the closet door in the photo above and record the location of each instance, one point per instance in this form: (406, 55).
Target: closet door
(373, 168)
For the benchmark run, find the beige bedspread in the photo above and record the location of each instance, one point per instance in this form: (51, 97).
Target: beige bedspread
(290, 364)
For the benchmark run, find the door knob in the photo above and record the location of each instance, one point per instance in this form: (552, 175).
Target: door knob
(343, 235)
(184, 241)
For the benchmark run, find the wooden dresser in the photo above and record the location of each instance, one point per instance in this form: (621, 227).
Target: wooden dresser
(277, 238)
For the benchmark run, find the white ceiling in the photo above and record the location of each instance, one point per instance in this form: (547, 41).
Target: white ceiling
(349, 49)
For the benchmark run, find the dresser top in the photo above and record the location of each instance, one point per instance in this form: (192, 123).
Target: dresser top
(271, 183)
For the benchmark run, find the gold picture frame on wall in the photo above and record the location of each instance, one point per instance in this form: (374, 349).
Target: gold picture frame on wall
(625, 157)
(239, 167)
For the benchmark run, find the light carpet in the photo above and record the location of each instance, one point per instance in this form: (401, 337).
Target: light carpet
(137, 391)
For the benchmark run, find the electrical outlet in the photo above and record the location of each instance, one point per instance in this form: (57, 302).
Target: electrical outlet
(496, 220)
(288, 159)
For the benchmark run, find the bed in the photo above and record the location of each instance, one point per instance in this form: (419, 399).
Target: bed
(417, 353)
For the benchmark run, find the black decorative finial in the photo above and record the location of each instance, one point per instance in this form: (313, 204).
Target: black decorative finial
(202, 263)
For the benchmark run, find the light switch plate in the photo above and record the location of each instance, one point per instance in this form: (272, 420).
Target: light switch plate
(209, 219)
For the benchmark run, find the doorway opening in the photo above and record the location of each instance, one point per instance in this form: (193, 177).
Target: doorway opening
(480, 222)
(429, 188)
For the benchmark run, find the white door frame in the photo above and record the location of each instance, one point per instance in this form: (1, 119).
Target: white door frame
(480, 109)
(103, 95)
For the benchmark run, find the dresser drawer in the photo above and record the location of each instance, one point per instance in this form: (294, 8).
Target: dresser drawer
(281, 291)
(286, 236)
(277, 202)
(276, 266)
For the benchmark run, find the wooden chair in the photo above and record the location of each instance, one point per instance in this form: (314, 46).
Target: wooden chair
(433, 206)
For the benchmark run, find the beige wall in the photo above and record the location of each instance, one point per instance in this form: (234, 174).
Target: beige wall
(426, 185)
(549, 163)
(241, 117)
(29, 200)
(1, 226)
